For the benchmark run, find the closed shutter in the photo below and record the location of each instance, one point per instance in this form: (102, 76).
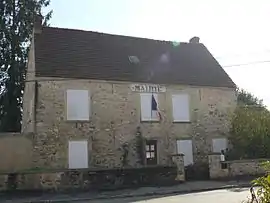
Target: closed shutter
(181, 109)
(78, 154)
(78, 105)
(219, 144)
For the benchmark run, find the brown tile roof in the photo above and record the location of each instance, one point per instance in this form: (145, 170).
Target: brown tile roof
(70, 53)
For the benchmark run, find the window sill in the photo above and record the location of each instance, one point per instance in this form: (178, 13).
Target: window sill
(78, 121)
(153, 121)
(183, 122)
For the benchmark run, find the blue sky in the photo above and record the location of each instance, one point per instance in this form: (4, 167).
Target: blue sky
(235, 32)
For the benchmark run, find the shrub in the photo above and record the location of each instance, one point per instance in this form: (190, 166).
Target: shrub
(263, 183)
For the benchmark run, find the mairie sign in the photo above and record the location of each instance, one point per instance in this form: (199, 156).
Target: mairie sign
(147, 88)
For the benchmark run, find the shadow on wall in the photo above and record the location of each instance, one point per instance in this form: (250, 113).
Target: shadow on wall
(16, 152)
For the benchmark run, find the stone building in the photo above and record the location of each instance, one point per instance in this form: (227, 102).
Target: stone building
(88, 95)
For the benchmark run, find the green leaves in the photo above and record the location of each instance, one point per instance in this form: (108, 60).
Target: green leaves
(263, 193)
(16, 25)
(250, 130)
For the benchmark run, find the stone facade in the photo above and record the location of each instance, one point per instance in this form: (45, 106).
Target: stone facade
(115, 118)
(28, 117)
(234, 168)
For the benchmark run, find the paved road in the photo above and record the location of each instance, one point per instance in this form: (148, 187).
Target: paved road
(217, 196)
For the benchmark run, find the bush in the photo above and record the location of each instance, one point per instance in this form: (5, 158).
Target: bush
(263, 193)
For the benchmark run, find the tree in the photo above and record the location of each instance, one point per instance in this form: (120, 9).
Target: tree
(16, 27)
(250, 131)
(247, 99)
(263, 185)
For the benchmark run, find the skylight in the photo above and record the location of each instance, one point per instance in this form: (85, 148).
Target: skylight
(134, 59)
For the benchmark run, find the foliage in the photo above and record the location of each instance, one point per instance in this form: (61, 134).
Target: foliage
(263, 193)
(16, 23)
(250, 131)
(125, 154)
(140, 147)
(247, 99)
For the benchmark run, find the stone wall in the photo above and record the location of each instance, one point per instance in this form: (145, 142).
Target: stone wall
(234, 168)
(16, 152)
(116, 118)
(28, 116)
(110, 179)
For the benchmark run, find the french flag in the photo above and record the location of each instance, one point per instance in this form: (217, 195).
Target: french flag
(154, 107)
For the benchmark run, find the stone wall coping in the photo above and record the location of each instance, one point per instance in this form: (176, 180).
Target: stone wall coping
(93, 170)
(17, 134)
(215, 153)
(2, 134)
(246, 161)
(177, 155)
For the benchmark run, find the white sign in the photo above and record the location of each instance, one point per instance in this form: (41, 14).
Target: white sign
(147, 88)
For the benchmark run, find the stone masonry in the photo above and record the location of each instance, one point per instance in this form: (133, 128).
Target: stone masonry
(247, 167)
(115, 117)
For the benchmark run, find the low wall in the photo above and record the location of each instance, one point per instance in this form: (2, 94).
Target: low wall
(15, 151)
(230, 169)
(110, 179)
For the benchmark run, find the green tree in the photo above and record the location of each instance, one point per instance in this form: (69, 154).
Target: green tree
(247, 99)
(250, 131)
(16, 28)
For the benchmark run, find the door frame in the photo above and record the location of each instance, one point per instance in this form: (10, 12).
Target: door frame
(154, 160)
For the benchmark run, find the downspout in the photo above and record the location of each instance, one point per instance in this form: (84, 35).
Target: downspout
(35, 105)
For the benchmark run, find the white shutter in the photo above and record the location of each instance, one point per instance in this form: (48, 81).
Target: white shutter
(78, 105)
(146, 107)
(181, 111)
(219, 144)
(185, 147)
(77, 154)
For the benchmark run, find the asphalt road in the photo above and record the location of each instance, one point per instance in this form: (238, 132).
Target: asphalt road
(217, 196)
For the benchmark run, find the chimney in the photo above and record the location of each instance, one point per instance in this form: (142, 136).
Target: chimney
(38, 24)
(194, 40)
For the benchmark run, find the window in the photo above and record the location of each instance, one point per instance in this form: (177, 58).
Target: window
(180, 107)
(78, 105)
(185, 147)
(151, 152)
(149, 107)
(219, 144)
(78, 154)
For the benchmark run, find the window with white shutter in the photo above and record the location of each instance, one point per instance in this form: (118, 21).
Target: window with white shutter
(147, 114)
(78, 105)
(219, 144)
(180, 107)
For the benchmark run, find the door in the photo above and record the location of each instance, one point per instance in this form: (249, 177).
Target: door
(151, 152)
(77, 154)
(219, 144)
(185, 147)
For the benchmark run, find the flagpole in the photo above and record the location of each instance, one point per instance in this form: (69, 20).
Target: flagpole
(151, 107)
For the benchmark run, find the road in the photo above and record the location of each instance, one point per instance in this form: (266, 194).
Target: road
(217, 196)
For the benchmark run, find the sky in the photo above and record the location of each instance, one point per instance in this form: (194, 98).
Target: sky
(235, 31)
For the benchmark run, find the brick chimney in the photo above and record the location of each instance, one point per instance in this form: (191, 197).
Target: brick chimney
(194, 40)
(38, 24)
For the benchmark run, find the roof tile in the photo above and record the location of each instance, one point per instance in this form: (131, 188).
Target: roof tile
(70, 53)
